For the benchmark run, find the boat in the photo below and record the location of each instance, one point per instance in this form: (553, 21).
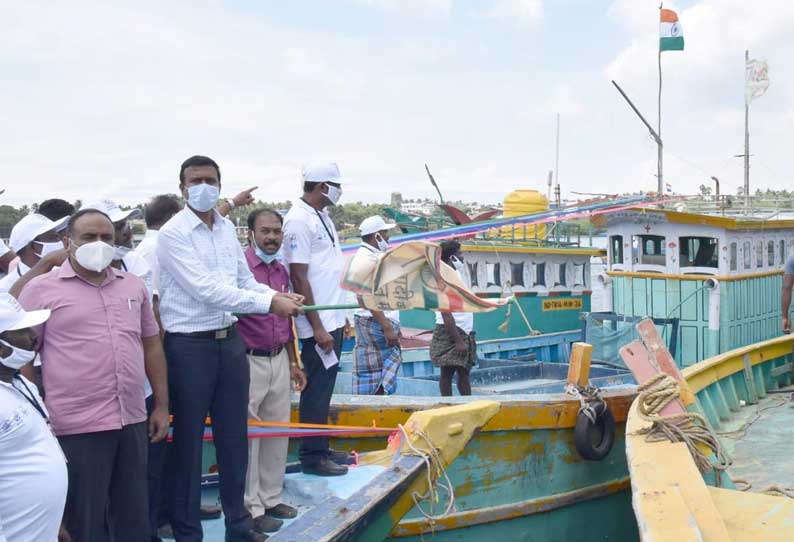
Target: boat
(735, 392)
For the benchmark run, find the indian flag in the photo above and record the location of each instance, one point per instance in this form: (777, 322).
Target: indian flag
(671, 36)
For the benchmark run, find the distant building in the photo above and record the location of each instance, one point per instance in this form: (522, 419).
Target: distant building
(396, 200)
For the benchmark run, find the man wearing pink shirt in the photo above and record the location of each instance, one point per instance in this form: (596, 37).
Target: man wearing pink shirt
(99, 345)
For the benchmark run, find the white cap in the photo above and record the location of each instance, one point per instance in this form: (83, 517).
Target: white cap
(321, 173)
(13, 316)
(112, 210)
(30, 227)
(373, 224)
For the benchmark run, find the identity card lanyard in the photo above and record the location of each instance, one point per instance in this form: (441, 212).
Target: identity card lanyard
(27, 394)
(330, 236)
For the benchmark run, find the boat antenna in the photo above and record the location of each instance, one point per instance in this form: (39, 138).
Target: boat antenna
(433, 182)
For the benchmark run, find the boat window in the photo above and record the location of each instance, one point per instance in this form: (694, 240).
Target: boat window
(747, 255)
(578, 274)
(698, 252)
(781, 258)
(561, 268)
(770, 253)
(539, 274)
(759, 254)
(649, 249)
(492, 273)
(517, 273)
(616, 244)
(473, 274)
(734, 257)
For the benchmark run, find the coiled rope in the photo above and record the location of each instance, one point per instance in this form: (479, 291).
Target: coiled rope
(687, 427)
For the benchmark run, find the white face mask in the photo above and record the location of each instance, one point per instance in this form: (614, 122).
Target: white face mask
(18, 358)
(333, 194)
(120, 252)
(203, 197)
(383, 245)
(95, 256)
(457, 264)
(48, 248)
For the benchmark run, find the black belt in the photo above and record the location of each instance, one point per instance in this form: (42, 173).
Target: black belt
(265, 353)
(215, 334)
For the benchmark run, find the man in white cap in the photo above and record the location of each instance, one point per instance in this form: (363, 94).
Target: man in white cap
(312, 251)
(124, 258)
(33, 479)
(377, 355)
(32, 238)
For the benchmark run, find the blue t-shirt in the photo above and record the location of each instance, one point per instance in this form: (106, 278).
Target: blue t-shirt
(788, 269)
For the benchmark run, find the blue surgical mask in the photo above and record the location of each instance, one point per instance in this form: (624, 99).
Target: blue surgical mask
(203, 197)
(265, 257)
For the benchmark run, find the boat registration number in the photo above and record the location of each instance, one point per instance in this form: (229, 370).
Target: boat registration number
(562, 304)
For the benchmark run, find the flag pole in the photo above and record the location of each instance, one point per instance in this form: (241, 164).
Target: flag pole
(746, 142)
(659, 148)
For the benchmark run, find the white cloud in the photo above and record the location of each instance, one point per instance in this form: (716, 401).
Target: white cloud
(517, 11)
(562, 99)
(411, 6)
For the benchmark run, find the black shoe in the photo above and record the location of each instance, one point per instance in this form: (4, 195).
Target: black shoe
(266, 524)
(282, 511)
(252, 536)
(340, 457)
(210, 512)
(325, 467)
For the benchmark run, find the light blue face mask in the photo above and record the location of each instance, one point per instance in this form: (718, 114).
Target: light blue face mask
(203, 197)
(265, 257)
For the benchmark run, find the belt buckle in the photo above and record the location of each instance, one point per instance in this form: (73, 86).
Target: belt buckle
(221, 334)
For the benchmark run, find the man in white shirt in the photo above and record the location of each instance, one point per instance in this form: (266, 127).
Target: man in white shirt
(204, 279)
(377, 355)
(32, 238)
(311, 249)
(33, 477)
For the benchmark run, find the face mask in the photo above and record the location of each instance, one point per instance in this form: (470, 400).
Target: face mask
(120, 252)
(457, 264)
(203, 197)
(48, 248)
(264, 256)
(333, 194)
(382, 244)
(18, 358)
(95, 256)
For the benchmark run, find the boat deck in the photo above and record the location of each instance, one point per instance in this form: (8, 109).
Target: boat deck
(757, 438)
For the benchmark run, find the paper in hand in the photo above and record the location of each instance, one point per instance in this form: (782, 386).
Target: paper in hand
(329, 359)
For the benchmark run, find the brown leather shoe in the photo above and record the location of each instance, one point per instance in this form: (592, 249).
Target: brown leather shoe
(282, 511)
(266, 524)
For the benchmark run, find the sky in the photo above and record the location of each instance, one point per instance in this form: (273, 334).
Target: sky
(107, 98)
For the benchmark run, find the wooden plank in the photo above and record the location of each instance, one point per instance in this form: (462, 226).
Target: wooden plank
(643, 367)
(653, 341)
(579, 368)
(749, 380)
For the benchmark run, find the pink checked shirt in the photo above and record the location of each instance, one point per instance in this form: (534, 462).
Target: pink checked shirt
(93, 370)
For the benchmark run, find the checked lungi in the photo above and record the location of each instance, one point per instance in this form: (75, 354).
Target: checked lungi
(374, 363)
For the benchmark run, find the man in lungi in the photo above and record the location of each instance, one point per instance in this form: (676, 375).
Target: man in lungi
(377, 355)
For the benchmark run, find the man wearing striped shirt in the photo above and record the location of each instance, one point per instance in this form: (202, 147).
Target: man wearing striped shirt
(204, 279)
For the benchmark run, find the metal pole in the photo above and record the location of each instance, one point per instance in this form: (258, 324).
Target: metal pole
(659, 156)
(717, 183)
(746, 144)
(557, 154)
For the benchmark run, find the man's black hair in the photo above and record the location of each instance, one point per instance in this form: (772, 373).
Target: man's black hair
(198, 161)
(160, 209)
(369, 237)
(263, 211)
(309, 186)
(81, 213)
(448, 248)
(55, 208)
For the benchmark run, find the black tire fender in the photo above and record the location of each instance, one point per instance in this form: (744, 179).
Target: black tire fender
(582, 433)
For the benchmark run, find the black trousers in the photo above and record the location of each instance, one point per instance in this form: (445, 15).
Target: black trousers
(158, 452)
(208, 376)
(107, 495)
(315, 399)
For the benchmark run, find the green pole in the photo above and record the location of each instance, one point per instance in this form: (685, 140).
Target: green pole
(310, 308)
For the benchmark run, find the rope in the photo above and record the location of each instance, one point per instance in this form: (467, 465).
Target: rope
(773, 490)
(687, 427)
(507, 287)
(589, 399)
(434, 465)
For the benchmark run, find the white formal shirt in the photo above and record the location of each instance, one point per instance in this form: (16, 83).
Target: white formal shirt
(463, 320)
(135, 264)
(367, 251)
(204, 276)
(33, 477)
(147, 249)
(310, 238)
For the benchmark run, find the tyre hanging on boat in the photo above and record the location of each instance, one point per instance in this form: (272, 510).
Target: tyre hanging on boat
(594, 433)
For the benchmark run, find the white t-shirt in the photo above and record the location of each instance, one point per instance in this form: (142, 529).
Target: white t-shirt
(33, 477)
(366, 251)
(147, 249)
(310, 239)
(13, 275)
(136, 264)
(464, 320)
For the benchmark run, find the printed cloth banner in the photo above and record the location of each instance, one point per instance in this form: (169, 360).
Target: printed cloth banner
(756, 78)
(412, 276)
(671, 36)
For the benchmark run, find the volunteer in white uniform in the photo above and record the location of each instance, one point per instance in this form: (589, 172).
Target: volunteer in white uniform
(32, 238)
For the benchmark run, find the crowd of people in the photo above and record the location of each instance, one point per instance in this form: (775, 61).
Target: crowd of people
(112, 356)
